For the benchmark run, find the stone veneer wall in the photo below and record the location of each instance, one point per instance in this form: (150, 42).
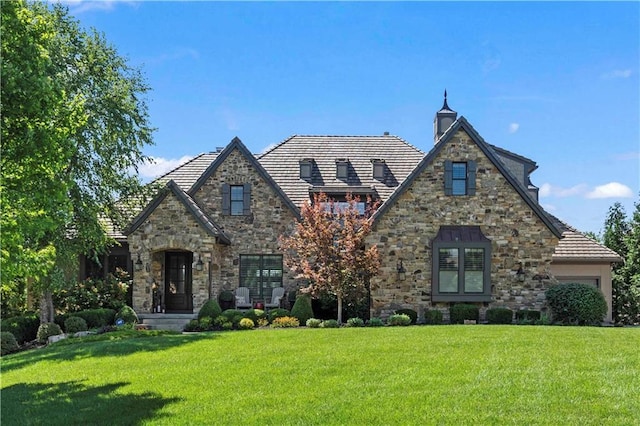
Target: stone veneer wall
(170, 227)
(256, 233)
(405, 232)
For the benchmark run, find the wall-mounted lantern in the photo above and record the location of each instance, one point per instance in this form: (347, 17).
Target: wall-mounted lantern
(199, 264)
(402, 273)
(520, 274)
(138, 264)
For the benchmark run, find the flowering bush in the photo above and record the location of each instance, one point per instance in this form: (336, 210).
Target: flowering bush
(94, 293)
(313, 323)
(283, 322)
(246, 324)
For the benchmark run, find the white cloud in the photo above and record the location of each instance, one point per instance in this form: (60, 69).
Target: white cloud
(617, 74)
(513, 127)
(611, 190)
(80, 6)
(548, 190)
(160, 166)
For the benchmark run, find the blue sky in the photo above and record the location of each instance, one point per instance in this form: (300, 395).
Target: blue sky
(554, 82)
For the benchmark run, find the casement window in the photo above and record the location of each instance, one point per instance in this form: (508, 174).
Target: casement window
(461, 267)
(459, 177)
(236, 199)
(261, 273)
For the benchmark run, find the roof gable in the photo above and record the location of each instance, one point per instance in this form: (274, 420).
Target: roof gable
(236, 143)
(462, 123)
(198, 214)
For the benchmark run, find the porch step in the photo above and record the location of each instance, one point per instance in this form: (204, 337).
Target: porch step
(174, 322)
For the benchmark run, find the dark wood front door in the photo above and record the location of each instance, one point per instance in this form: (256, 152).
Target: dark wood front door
(177, 282)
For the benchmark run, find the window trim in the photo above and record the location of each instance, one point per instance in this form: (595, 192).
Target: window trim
(226, 194)
(342, 165)
(306, 165)
(460, 295)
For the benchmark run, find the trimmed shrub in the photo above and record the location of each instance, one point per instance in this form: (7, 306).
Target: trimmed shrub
(97, 318)
(285, 322)
(355, 322)
(433, 317)
(330, 323)
(499, 316)
(313, 323)
(48, 329)
(526, 316)
(227, 300)
(73, 325)
(255, 315)
(399, 320)
(576, 304)
(24, 327)
(375, 322)
(232, 315)
(246, 324)
(302, 308)
(210, 309)
(463, 311)
(278, 313)
(192, 326)
(410, 313)
(8, 343)
(128, 315)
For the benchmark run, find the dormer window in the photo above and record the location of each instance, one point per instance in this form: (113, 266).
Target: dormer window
(342, 168)
(306, 167)
(378, 169)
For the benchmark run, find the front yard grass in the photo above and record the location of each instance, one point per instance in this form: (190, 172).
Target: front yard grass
(350, 376)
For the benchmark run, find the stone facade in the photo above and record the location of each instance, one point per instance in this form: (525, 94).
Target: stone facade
(171, 227)
(407, 228)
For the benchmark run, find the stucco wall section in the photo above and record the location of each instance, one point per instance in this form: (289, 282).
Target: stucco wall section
(405, 232)
(601, 271)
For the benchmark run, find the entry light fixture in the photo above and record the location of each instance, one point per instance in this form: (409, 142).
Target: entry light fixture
(138, 264)
(199, 264)
(520, 273)
(402, 273)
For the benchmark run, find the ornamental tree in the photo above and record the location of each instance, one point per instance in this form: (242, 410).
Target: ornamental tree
(74, 122)
(327, 248)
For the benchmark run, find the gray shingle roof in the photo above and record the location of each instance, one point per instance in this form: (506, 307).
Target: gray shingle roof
(188, 173)
(283, 164)
(575, 246)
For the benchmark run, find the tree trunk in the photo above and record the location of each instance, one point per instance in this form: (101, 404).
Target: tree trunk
(46, 307)
(339, 296)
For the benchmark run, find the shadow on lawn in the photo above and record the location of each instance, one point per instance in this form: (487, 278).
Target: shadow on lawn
(87, 348)
(74, 403)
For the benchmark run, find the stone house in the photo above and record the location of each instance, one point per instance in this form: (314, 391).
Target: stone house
(461, 223)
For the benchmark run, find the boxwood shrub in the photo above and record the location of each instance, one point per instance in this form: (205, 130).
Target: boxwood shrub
(210, 309)
(433, 317)
(410, 313)
(576, 304)
(73, 325)
(128, 315)
(526, 316)
(48, 329)
(96, 318)
(330, 323)
(375, 322)
(355, 322)
(398, 320)
(8, 343)
(302, 308)
(313, 323)
(463, 311)
(24, 327)
(499, 316)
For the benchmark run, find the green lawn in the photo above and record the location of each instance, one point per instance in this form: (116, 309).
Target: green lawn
(524, 375)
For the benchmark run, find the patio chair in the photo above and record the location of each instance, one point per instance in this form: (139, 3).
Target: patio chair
(243, 298)
(276, 296)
